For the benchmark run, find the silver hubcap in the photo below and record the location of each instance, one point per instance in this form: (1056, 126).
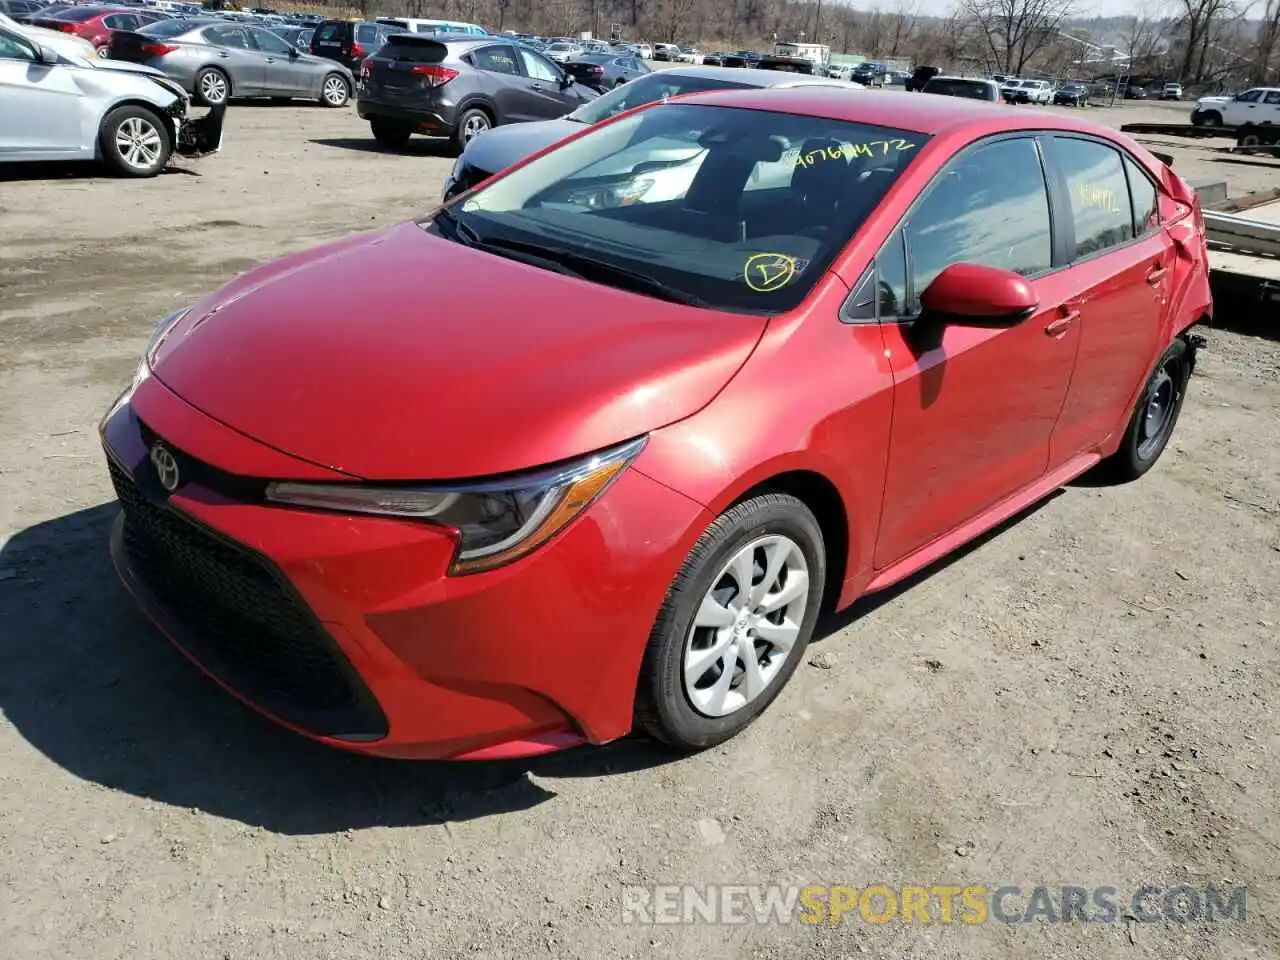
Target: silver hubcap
(747, 626)
(139, 142)
(213, 87)
(335, 90)
(104, 52)
(476, 124)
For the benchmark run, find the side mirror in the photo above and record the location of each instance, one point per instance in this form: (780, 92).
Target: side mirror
(968, 294)
(294, 53)
(566, 81)
(45, 54)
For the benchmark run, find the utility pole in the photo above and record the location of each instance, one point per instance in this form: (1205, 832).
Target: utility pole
(817, 22)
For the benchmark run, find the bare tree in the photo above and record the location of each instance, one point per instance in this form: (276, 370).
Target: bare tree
(1267, 49)
(1014, 31)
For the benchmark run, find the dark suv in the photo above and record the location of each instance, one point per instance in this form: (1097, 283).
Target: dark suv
(459, 87)
(349, 41)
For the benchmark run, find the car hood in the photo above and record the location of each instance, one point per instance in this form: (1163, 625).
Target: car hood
(402, 356)
(1213, 100)
(500, 147)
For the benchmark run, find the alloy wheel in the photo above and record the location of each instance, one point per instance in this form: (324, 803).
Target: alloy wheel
(213, 87)
(746, 626)
(475, 125)
(139, 142)
(335, 91)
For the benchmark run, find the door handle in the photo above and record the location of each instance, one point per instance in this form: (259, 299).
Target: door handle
(271, 59)
(1059, 327)
(224, 56)
(1156, 275)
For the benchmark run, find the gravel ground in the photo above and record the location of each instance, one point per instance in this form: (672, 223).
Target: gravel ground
(1086, 697)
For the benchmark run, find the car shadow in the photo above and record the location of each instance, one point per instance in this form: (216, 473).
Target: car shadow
(71, 170)
(92, 685)
(416, 147)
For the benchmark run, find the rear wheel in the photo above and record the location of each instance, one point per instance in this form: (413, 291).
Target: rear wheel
(1153, 419)
(213, 87)
(392, 134)
(471, 124)
(735, 623)
(134, 142)
(335, 91)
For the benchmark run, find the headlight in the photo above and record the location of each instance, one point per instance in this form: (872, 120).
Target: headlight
(613, 195)
(496, 522)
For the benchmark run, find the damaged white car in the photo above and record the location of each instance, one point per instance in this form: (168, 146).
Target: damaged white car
(58, 106)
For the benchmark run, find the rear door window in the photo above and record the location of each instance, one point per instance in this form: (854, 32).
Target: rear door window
(234, 37)
(1146, 204)
(1100, 206)
(498, 58)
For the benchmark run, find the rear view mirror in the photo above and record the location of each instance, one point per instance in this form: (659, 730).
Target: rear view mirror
(968, 294)
(45, 54)
(566, 80)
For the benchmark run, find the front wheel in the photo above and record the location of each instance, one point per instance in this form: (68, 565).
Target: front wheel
(1211, 119)
(335, 91)
(134, 142)
(1153, 419)
(735, 623)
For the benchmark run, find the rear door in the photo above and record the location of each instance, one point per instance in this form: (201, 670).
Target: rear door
(503, 82)
(1122, 264)
(235, 54)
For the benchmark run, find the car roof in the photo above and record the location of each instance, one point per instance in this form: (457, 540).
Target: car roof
(947, 76)
(901, 110)
(757, 78)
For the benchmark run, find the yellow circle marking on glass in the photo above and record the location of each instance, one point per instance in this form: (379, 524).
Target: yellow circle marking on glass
(767, 272)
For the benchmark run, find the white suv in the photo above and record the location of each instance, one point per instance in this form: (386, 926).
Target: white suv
(1031, 91)
(1257, 105)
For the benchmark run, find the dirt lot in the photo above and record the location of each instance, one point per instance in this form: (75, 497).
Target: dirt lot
(1088, 697)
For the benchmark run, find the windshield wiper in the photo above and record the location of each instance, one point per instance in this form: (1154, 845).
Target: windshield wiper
(585, 267)
(526, 253)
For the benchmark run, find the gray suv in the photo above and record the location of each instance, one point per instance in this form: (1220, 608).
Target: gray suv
(459, 87)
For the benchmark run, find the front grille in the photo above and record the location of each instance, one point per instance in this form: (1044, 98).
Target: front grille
(241, 620)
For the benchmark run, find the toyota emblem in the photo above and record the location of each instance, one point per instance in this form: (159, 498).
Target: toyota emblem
(166, 467)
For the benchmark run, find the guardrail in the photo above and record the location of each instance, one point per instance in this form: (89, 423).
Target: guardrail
(1241, 233)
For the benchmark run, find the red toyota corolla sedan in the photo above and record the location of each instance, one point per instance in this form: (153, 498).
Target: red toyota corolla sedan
(591, 447)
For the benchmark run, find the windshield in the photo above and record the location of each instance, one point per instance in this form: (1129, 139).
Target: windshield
(71, 14)
(647, 89)
(731, 208)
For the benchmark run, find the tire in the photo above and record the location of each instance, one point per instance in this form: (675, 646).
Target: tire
(335, 91)
(134, 142)
(693, 714)
(391, 134)
(471, 124)
(1211, 119)
(1247, 140)
(1143, 442)
(212, 87)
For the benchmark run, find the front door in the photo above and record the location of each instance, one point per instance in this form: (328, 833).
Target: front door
(1123, 266)
(974, 409)
(283, 75)
(236, 56)
(549, 98)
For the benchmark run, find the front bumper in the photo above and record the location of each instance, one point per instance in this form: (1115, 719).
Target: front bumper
(200, 136)
(346, 628)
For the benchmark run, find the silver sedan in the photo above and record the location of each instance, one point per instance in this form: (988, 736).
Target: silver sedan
(64, 107)
(218, 60)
